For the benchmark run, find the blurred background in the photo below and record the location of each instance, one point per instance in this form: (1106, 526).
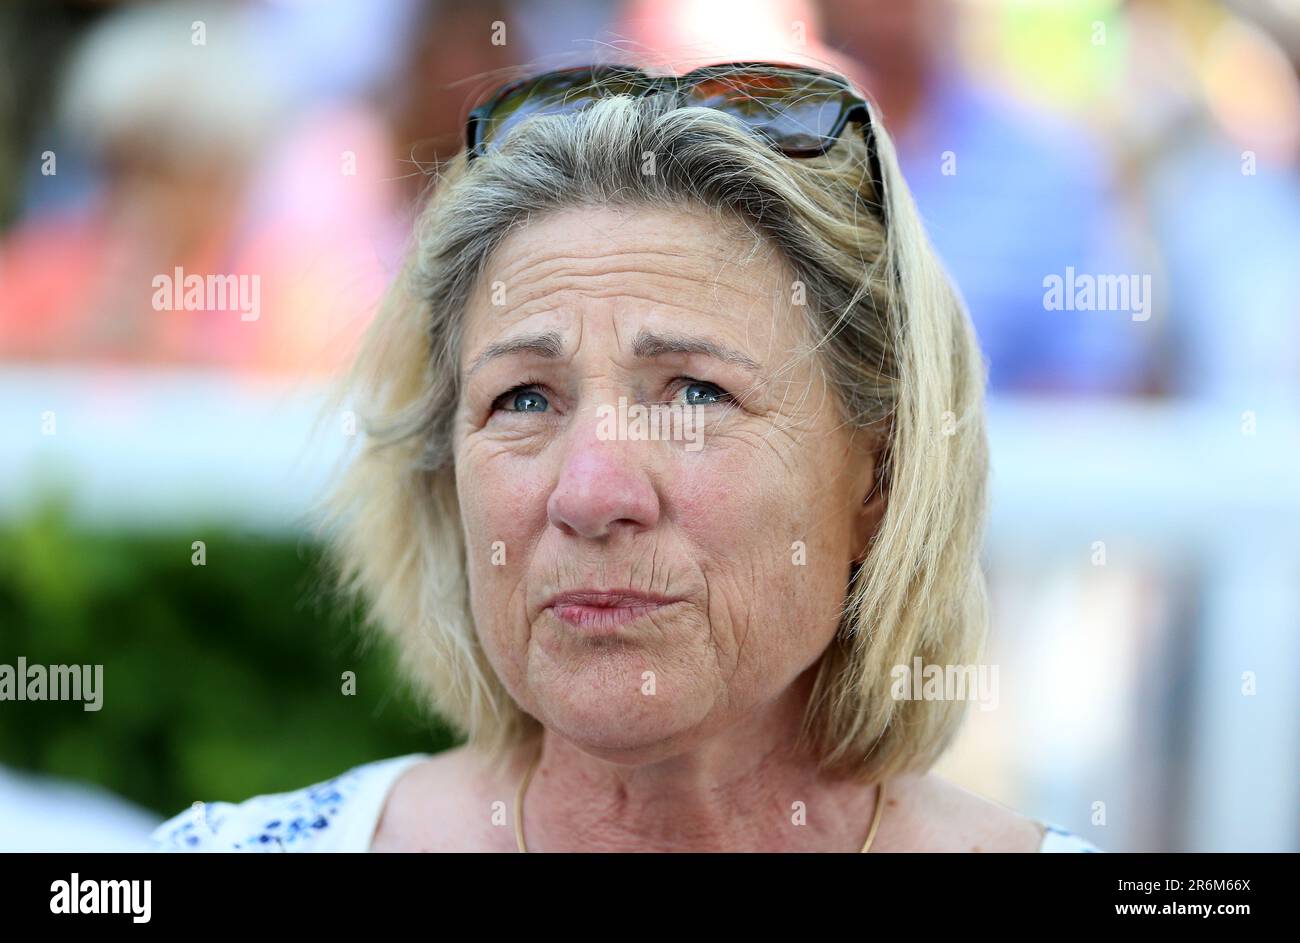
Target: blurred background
(1143, 551)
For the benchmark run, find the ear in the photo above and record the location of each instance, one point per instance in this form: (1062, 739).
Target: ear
(873, 487)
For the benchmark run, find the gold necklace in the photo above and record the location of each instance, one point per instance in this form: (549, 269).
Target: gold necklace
(523, 787)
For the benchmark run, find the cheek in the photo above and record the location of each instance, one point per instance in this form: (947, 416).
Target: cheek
(503, 513)
(753, 500)
(716, 499)
(502, 497)
(772, 546)
(500, 504)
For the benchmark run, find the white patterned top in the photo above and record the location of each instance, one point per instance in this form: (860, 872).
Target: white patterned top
(341, 814)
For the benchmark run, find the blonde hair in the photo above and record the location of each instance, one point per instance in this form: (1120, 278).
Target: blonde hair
(892, 337)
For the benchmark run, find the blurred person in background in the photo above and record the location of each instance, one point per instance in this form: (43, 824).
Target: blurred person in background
(174, 128)
(1011, 194)
(288, 143)
(1209, 120)
(334, 197)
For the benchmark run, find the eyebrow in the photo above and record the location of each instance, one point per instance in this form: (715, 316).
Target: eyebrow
(547, 344)
(647, 345)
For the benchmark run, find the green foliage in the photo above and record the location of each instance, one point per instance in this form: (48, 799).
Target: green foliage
(220, 681)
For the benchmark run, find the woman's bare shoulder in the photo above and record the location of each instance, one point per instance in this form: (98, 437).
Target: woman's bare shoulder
(926, 812)
(453, 801)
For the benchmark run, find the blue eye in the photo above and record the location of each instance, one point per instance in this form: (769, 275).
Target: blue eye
(522, 399)
(699, 393)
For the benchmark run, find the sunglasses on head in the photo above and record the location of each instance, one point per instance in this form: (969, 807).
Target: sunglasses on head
(801, 112)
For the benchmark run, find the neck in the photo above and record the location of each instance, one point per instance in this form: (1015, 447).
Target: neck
(746, 788)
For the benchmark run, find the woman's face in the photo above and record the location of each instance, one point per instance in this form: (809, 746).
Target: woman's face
(733, 537)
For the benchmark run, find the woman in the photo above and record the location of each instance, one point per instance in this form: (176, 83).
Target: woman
(675, 459)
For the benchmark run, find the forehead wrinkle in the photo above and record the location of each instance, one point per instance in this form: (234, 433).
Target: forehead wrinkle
(564, 293)
(704, 263)
(545, 273)
(569, 299)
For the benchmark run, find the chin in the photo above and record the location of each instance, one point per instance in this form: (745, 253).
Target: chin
(613, 720)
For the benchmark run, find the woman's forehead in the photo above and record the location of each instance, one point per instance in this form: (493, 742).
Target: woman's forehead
(685, 245)
(659, 271)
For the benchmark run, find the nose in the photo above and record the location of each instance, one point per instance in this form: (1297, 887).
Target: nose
(604, 485)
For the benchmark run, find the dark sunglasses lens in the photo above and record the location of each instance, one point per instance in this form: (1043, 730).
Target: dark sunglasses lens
(797, 113)
(556, 93)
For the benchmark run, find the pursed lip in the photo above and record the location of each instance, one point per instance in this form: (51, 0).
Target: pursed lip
(604, 611)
